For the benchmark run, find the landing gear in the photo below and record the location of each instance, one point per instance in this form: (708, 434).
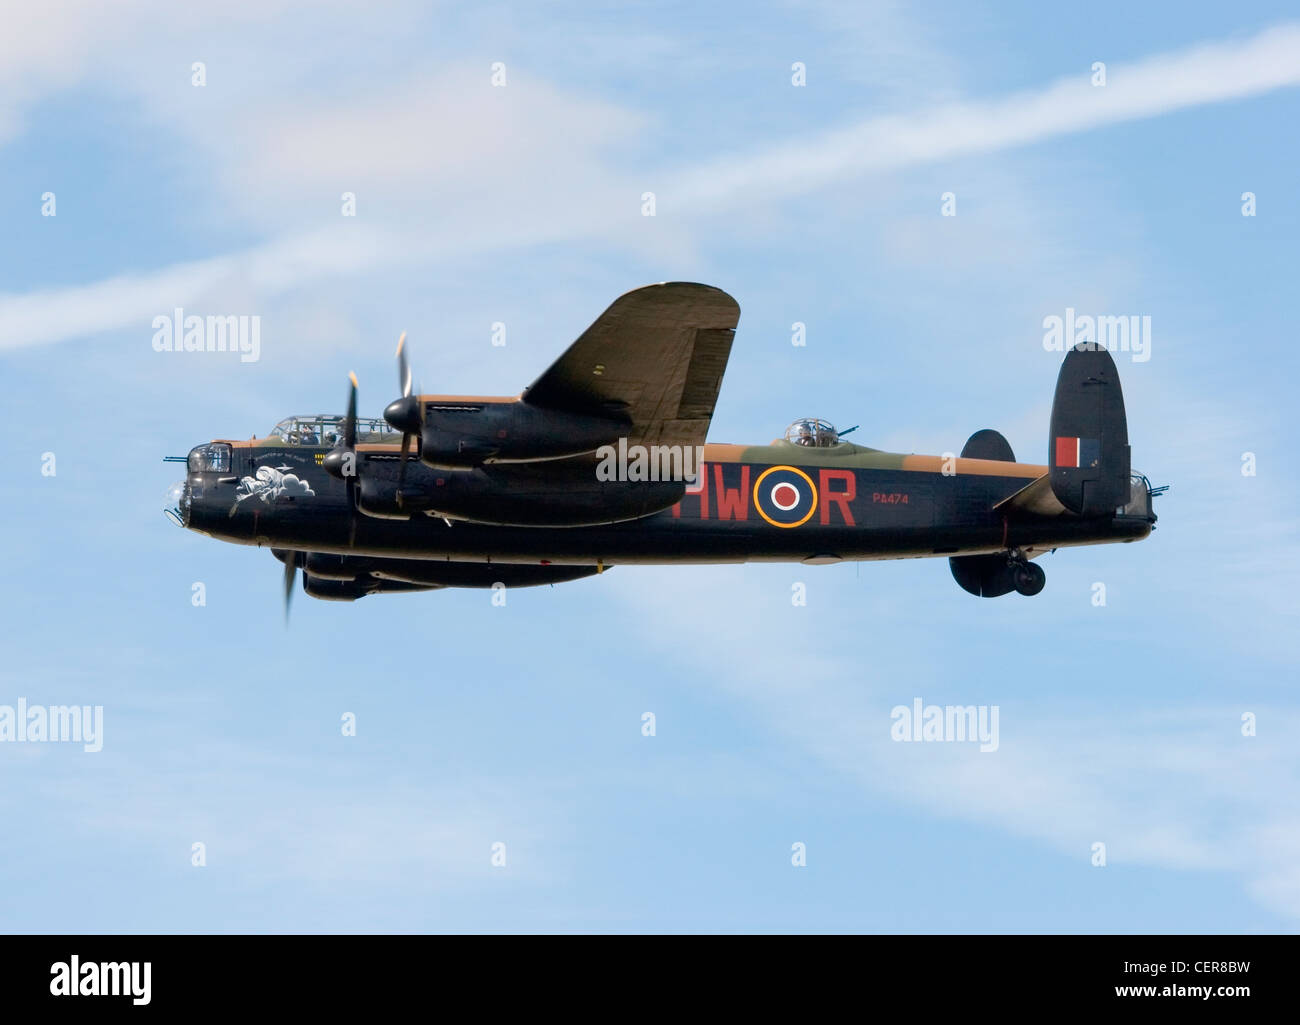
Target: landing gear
(1027, 578)
(998, 573)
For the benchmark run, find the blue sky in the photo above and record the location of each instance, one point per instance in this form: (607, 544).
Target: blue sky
(478, 204)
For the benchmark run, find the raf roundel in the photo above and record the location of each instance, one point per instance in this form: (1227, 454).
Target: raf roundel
(785, 496)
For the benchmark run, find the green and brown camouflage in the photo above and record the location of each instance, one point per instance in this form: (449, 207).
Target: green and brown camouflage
(469, 490)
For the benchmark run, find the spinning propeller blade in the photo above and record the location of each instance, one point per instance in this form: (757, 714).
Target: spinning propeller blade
(404, 382)
(290, 572)
(350, 424)
(403, 369)
(340, 461)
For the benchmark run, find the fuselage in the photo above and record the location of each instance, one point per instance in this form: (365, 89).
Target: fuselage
(779, 502)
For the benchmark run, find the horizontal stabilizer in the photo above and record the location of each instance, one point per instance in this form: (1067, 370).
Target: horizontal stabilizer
(1035, 499)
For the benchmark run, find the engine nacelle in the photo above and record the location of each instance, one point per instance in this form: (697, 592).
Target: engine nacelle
(333, 590)
(543, 499)
(365, 575)
(377, 497)
(543, 495)
(351, 590)
(476, 574)
(324, 566)
(460, 434)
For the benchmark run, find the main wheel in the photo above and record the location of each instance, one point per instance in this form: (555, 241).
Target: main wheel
(1029, 579)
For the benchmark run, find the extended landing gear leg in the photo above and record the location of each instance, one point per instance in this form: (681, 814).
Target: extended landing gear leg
(1027, 578)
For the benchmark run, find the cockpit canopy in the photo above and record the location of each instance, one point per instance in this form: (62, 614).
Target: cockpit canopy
(213, 458)
(812, 432)
(325, 430)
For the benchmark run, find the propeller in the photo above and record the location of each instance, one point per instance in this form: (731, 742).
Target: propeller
(291, 560)
(341, 461)
(290, 572)
(406, 413)
(403, 368)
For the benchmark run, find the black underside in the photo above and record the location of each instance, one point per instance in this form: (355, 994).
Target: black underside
(893, 513)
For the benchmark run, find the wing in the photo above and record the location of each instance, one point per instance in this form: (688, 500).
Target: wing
(656, 356)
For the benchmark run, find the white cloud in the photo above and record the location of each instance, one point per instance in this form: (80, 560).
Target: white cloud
(121, 47)
(267, 817)
(482, 170)
(1211, 73)
(133, 300)
(1179, 789)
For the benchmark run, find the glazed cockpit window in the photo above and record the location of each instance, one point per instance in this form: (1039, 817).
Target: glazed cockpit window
(325, 430)
(214, 458)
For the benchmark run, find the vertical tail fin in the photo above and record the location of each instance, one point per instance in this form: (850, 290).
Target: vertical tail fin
(1088, 450)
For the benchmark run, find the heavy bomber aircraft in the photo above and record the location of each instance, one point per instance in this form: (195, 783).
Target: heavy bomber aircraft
(602, 462)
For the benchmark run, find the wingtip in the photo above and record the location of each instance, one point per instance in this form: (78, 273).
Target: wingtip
(697, 289)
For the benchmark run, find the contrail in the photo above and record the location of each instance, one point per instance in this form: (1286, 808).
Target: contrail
(1205, 74)
(1209, 73)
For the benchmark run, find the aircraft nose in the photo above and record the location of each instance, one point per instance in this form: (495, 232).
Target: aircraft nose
(176, 506)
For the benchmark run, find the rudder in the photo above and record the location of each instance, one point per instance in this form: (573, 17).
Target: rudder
(1088, 450)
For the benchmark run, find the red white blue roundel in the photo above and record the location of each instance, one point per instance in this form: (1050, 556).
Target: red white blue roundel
(785, 496)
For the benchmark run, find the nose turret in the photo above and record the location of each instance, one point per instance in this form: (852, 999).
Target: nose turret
(176, 505)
